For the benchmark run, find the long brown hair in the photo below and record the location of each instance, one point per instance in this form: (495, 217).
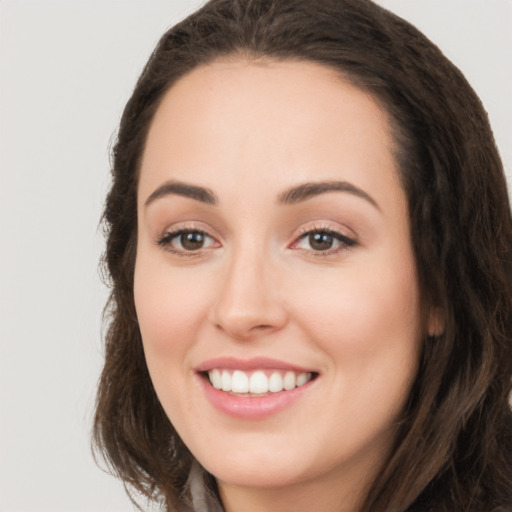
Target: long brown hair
(453, 448)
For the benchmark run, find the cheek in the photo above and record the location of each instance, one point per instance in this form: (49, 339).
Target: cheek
(170, 307)
(368, 321)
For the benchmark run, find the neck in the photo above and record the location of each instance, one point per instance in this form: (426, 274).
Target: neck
(335, 494)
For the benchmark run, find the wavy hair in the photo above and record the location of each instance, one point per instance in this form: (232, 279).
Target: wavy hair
(453, 445)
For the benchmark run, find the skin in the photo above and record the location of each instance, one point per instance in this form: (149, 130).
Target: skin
(248, 131)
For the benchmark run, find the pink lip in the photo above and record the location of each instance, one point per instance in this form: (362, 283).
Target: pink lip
(252, 408)
(256, 363)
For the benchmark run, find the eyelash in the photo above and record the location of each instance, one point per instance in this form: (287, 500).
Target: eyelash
(165, 241)
(345, 241)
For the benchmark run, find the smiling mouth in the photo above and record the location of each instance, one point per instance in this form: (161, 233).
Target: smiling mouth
(257, 383)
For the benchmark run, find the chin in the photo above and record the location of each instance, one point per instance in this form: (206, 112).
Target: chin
(256, 475)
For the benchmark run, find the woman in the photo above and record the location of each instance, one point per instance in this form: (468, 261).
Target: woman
(308, 239)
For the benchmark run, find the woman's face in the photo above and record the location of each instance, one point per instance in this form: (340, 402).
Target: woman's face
(274, 252)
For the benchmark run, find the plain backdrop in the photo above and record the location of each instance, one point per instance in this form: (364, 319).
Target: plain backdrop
(67, 68)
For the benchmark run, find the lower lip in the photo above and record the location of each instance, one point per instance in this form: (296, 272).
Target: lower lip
(252, 408)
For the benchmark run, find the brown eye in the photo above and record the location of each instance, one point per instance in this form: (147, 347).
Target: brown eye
(191, 240)
(186, 241)
(321, 241)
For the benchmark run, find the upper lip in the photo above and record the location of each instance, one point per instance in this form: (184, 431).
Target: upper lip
(255, 363)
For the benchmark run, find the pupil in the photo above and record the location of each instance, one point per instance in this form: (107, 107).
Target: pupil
(192, 241)
(321, 241)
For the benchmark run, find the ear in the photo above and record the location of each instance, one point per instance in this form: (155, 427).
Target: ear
(435, 321)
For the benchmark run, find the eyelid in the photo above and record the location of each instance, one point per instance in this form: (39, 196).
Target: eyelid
(164, 238)
(345, 236)
(189, 225)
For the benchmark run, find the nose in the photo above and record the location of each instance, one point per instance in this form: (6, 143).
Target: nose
(249, 303)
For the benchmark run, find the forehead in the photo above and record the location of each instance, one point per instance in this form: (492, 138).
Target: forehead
(287, 121)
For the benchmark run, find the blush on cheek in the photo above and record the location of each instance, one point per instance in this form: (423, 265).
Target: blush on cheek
(155, 301)
(360, 319)
(163, 321)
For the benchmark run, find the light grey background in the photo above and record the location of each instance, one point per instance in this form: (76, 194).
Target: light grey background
(67, 67)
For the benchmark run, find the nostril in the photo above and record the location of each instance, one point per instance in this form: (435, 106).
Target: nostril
(261, 327)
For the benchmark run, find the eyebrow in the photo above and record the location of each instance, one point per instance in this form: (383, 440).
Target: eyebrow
(202, 194)
(290, 196)
(308, 190)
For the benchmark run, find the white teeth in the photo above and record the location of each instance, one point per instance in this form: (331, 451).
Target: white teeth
(216, 379)
(289, 381)
(275, 383)
(226, 381)
(257, 383)
(302, 379)
(239, 382)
